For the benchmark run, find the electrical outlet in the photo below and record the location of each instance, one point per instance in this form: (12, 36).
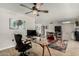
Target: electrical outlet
(12, 39)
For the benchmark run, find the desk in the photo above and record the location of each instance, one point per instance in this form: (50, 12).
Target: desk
(43, 43)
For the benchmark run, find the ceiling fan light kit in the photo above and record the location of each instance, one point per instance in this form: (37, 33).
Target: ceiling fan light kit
(34, 12)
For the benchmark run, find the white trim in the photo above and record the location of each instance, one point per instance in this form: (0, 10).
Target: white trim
(6, 48)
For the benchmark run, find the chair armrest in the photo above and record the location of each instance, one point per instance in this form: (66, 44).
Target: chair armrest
(27, 41)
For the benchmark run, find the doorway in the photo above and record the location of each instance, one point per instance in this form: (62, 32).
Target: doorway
(67, 31)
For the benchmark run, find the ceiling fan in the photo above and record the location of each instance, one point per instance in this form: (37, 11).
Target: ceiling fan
(34, 9)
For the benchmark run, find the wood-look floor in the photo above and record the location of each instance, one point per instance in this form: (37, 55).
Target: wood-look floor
(72, 50)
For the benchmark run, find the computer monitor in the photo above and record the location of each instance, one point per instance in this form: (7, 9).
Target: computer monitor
(31, 33)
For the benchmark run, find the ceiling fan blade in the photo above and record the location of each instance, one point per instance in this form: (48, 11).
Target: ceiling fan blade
(45, 11)
(28, 12)
(25, 6)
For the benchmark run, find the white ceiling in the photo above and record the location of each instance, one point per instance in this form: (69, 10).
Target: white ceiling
(57, 11)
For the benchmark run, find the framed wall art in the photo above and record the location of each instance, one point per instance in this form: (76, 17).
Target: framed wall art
(16, 24)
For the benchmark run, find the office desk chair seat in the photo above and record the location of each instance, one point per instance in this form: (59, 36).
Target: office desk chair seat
(20, 46)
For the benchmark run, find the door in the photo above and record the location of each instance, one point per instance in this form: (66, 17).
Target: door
(67, 31)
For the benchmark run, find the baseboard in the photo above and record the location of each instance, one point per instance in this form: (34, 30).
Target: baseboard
(6, 48)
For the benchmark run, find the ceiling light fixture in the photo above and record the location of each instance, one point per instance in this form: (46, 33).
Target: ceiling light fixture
(35, 12)
(66, 22)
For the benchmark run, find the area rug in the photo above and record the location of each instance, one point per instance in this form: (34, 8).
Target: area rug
(58, 46)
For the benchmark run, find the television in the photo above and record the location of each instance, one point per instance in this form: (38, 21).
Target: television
(31, 33)
(57, 28)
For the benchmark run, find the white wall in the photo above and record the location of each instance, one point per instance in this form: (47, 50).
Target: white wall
(51, 27)
(68, 31)
(6, 34)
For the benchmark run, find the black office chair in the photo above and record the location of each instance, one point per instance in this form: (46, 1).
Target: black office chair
(20, 46)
